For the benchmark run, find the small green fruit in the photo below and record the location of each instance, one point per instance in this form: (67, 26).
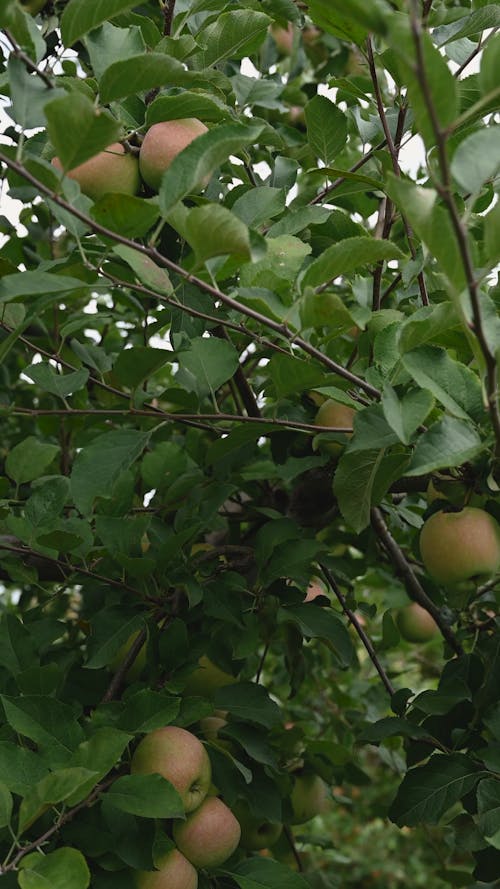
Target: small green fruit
(416, 624)
(206, 679)
(309, 797)
(256, 833)
(457, 546)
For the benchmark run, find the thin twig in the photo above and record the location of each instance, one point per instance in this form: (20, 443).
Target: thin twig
(25, 59)
(129, 659)
(168, 17)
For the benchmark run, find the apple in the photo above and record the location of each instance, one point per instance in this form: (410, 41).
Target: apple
(416, 624)
(340, 416)
(457, 546)
(283, 38)
(316, 588)
(137, 667)
(210, 835)
(309, 797)
(33, 6)
(175, 872)
(164, 141)
(256, 833)
(206, 679)
(181, 758)
(111, 170)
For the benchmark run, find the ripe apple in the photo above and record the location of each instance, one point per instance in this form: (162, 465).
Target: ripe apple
(316, 588)
(181, 758)
(175, 872)
(206, 679)
(416, 624)
(256, 833)
(210, 835)
(337, 415)
(164, 141)
(456, 546)
(111, 170)
(137, 667)
(283, 38)
(309, 797)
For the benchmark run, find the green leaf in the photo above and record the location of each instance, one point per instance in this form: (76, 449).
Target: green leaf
(477, 21)
(391, 727)
(211, 362)
(454, 385)
(488, 806)
(213, 230)
(192, 166)
(109, 44)
(99, 754)
(97, 466)
(30, 459)
(58, 384)
(406, 414)
(47, 502)
(20, 768)
(264, 873)
(447, 443)
(149, 796)
(147, 271)
(361, 480)
(63, 869)
(55, 788)
(125, 214)
(48, 722)
(139, 73)
(29, 95)
(350, 21)
(347, 257)
(250, 702)
(78, 130)
(322, 623)
(81, 16)
(135, 365)
(231, 35)
(6, 804)
(110, 630)
(148, 710)
(326, 128)
(488, 75)
(204, 106)
(477, 159)
(34, 283)
(427, 792)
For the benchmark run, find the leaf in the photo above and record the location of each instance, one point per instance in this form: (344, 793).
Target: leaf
(17, 651)
(135, 365)
(204, 106)
(149, 796)
(346, 257)
(258, 205)
(211, 362)
(108, 44)
(99, 754)
(6, 804)
(477, 159)
(34, 283)
(139, 73)
(192, 166)
(63, 869)
(427, 792)
(81, 16)
(55, 788)
(46, 502)
(58, 384)
(264, 873)
(146, 270)
(391, 727)
(250, 702)
(326, 128)
(406, 414)
(488, 806)
(454, 385)
(447, 443)
(361, 480)
(477, 21)
(125, 214)
(48, 722)
(231, 35)
(213, 230)
(148, 710)
(111, 629)
(321, 623)
(98, 465)
(78, 130)
(29, 459)
(350, 21)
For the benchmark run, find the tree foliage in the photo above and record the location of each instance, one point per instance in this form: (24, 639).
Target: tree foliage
(165, 493)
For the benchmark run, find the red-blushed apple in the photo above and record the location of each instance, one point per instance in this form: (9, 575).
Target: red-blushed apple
(283, 38)
(316, 588)
(210, 835)
(180, 757)
(416, 624)
(164, 141)
(112, 170)
(206, 679)
(309, 797)
(137, 667)
(457, 546)
(256, 833)
(175, 872)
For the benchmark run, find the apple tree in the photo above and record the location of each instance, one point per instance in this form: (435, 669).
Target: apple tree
(249, 344)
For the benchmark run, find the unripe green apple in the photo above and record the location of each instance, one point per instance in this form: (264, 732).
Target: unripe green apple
(180, 757)
(256, 833)
(137, 667)
(337, 415)
(210, 835)
(175, 872)
(206, 679)
(416, 624)
(456, 546)
(33, 6)
(164, 141)
(112, 170)
(309, 797)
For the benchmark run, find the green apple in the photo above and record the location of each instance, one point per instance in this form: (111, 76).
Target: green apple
(416, 624)
(164, 141)
(112, 170)
(180, 757)
(206, 679)
(137, 667)
(457, 546)
(309, 797)
(210, 835)
(256, 833)
(337, 416)
(175, 872)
